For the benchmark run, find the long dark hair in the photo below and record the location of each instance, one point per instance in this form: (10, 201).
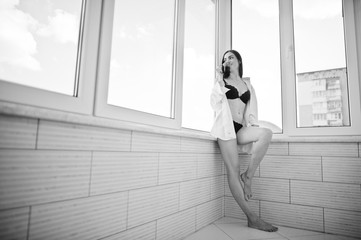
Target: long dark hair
(240, 67)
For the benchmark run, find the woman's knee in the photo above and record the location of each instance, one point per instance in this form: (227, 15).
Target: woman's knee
(266, 134)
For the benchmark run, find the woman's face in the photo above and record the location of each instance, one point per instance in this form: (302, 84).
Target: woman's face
(231, 60)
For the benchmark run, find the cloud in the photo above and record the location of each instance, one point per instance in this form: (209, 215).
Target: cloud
(210, 7)
(64, 27)
(139, 31)
(123, 33)
(17, 44)
(144, 30)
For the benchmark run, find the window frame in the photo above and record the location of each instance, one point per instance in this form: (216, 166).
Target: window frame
(103, 109)
(86, 73)
(288, 75)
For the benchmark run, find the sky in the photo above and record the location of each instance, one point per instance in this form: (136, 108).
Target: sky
(141, 56)
(38, 36)
(319, 35)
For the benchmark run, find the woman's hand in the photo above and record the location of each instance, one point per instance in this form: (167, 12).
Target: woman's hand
(219, 70)
(219, 73)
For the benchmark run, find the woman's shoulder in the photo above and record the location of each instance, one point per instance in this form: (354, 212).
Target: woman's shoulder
(247, 80)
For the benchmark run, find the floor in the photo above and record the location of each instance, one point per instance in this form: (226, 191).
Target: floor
(236, 229)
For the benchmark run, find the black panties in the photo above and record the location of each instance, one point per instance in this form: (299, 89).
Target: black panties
(237, 126)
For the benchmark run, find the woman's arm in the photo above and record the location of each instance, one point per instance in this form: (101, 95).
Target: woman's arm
(252, 109)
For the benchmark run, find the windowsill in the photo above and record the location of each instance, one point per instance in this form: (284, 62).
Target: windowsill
(54, 115)
(21, 110)
(285, 138)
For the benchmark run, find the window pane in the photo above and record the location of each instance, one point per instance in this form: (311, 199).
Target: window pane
(39, 43)
(322, 92)
(140, 75)
(255, 35)
(199, 64)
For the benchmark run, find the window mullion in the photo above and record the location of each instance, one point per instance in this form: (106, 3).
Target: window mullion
(287, 66)
(178, 46)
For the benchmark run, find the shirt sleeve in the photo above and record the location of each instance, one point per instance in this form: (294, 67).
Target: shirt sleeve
(216, 97)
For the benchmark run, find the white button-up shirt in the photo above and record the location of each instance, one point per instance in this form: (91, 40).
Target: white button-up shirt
(223, 127)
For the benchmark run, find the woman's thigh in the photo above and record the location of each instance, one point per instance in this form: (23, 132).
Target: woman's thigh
(252, 134)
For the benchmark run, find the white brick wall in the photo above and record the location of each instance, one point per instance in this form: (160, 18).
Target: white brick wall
(64, 181)
(309, 185)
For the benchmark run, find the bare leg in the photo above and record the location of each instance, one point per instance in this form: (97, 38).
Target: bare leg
(230, 156)
(261, 138)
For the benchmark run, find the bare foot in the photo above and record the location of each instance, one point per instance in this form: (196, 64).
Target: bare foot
(262, 225)
(247, 186)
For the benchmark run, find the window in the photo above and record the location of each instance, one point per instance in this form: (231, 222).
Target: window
(139, 61)
(319, 67)
(39, 44)
(44, 58)
(199, 64)
(320, 54)
(46, 65)
(255, 35)
(140, 76)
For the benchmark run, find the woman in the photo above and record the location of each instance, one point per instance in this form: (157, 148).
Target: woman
(234, 101)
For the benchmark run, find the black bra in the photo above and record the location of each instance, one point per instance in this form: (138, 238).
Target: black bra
(234, 94)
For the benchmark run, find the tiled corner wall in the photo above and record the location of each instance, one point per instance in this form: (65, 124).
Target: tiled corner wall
(307, 185)
(70, 181)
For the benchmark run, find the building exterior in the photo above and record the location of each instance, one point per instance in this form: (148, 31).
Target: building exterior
(322, 98)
